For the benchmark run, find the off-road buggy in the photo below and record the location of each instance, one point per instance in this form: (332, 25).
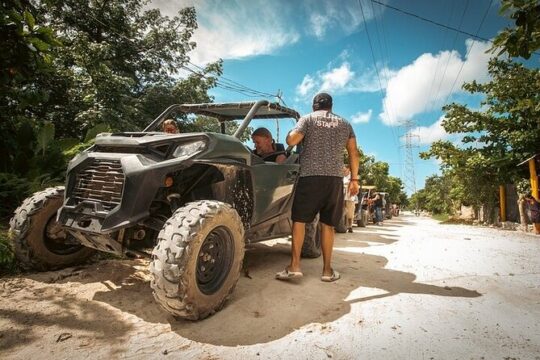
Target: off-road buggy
(189, 201)
(363, 212)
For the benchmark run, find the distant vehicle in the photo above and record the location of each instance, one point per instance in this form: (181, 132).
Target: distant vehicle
(364, 213)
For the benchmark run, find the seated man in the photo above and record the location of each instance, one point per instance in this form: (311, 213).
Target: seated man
(169, 126)
(265, 146)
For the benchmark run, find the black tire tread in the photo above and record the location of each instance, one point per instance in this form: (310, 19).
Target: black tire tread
(21, 224)
(173, 251)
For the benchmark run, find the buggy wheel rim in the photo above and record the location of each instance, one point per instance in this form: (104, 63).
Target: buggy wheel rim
(56, 240)
(214, 260)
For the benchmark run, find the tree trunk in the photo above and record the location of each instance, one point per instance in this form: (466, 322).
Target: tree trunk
(522, 213)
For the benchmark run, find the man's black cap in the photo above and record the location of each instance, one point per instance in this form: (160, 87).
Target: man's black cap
(322, 101)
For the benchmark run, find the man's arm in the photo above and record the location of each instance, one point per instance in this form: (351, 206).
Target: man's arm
(294, 137)
(354, 185)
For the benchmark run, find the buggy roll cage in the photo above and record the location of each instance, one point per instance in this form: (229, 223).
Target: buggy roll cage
(245, 111)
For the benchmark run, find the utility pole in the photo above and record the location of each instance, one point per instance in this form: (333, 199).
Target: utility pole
(279, 96)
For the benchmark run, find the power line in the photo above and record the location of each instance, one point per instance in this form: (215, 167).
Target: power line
(452, 47)
(430, 21)
(233, 83)
(409, 166)
(373, 55)
(225, 84)
(386, 54)
(468, 51)
(371, 46)
(451, 13)
(435, 22)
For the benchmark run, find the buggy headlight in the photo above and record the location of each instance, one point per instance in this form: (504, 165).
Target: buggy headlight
(184, 151)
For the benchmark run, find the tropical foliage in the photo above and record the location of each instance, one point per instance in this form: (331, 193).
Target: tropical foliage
(496, 137)
(524, 38)
(71, 69)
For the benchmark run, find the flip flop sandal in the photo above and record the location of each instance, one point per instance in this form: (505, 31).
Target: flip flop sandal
(330, 278)
(286, 274)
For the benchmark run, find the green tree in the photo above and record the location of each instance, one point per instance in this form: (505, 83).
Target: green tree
(474, 178)
(376, 173)
(78, 64)
(418, 200)
(120, 64)
(26, 54)
(396, 190)
(502, 133)
(68, 66)
(210, 124)
(437, 199)
(523, 39)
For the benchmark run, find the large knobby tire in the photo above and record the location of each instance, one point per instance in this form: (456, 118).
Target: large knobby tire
(38, 240)
(311, 248)
(341, 228)
(198, 259)
(363, 219)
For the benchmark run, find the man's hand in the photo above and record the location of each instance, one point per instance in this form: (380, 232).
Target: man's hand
(354, 187)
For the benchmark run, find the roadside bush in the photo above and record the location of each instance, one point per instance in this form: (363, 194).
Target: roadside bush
(13, 190)
(7, 258)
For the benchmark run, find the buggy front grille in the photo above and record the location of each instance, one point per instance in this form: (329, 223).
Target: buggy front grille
(101, 181)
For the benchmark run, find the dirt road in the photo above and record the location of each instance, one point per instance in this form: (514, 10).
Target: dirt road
(411, 289)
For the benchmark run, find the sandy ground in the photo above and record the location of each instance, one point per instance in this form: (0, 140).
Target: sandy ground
(411, 289)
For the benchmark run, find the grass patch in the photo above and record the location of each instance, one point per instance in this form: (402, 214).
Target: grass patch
(458, 221)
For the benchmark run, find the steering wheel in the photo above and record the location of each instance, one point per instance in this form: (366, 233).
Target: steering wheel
(276, 154)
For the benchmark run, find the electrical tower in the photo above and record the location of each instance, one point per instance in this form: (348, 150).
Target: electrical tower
(410, 178)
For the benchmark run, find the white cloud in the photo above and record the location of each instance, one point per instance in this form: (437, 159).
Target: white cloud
(229, 43)
(342, 78)
(429, 134)
(306, 87)
(328, 16)
(235, 30)
(425, 84)
(319, 24)
(337, 78)
(361, 117)
(239, 29)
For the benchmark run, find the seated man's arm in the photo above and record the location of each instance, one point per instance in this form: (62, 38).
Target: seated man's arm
(281, 158)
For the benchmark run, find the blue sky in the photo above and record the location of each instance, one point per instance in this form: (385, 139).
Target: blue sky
(303, 47)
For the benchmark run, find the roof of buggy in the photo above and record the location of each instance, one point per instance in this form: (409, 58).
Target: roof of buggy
(239, 110)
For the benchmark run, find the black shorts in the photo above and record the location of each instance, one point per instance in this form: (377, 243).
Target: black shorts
(318, 194)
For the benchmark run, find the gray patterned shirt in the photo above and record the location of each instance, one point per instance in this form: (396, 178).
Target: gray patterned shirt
(325, 138)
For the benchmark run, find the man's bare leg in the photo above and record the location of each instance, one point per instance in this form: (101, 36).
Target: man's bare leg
(298, 232)
(327, 245)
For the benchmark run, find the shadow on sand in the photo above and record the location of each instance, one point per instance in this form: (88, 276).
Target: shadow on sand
(261, 309)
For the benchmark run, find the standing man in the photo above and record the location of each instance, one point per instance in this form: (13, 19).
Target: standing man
(378, 203)
(534, 209)
(320, 185)
(350, 201)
